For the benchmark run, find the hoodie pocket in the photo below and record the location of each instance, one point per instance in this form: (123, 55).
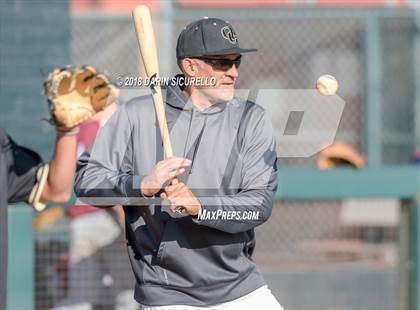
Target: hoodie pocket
(192, 255)
(159, 257)
(165, 237)
(161, 248)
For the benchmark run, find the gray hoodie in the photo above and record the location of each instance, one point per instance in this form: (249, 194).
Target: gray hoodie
(181, 259)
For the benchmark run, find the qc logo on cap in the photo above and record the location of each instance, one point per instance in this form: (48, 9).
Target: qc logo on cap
(229, 34)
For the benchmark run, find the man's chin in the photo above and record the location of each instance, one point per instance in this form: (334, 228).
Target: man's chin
(226, 94)
(220, 94)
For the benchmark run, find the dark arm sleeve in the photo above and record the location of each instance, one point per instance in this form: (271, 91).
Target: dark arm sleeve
(22, 165)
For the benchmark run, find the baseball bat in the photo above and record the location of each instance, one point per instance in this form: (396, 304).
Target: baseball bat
(147, 44)
(148, 51)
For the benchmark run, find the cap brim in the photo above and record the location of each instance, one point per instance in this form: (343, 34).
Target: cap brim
(247, 50)
(232, 51)
(226, 52)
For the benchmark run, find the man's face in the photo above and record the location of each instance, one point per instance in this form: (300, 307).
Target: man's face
(223, 73)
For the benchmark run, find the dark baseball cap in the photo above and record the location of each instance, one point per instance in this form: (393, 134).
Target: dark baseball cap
(208, 36)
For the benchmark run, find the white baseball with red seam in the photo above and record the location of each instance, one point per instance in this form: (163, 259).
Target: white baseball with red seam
(327, 85)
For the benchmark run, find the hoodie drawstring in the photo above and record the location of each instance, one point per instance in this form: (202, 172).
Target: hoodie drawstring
(188, 132)
(197, 145)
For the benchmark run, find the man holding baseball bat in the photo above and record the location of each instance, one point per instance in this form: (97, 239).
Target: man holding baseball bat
(225, 166)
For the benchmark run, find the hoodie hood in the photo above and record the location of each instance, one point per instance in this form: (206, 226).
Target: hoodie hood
(176, 99)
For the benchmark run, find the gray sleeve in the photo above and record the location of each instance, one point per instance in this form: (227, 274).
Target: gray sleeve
(104, 175)
(259, 183)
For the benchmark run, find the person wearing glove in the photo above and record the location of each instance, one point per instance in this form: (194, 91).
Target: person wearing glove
(74, 95)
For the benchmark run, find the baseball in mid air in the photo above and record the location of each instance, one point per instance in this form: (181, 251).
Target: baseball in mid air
(327, 85)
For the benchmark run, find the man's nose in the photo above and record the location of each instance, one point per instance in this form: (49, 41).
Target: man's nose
(233, 71)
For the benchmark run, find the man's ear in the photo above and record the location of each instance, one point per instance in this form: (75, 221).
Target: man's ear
(189, 67)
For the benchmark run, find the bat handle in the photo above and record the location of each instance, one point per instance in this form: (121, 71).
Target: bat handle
(180, 210)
